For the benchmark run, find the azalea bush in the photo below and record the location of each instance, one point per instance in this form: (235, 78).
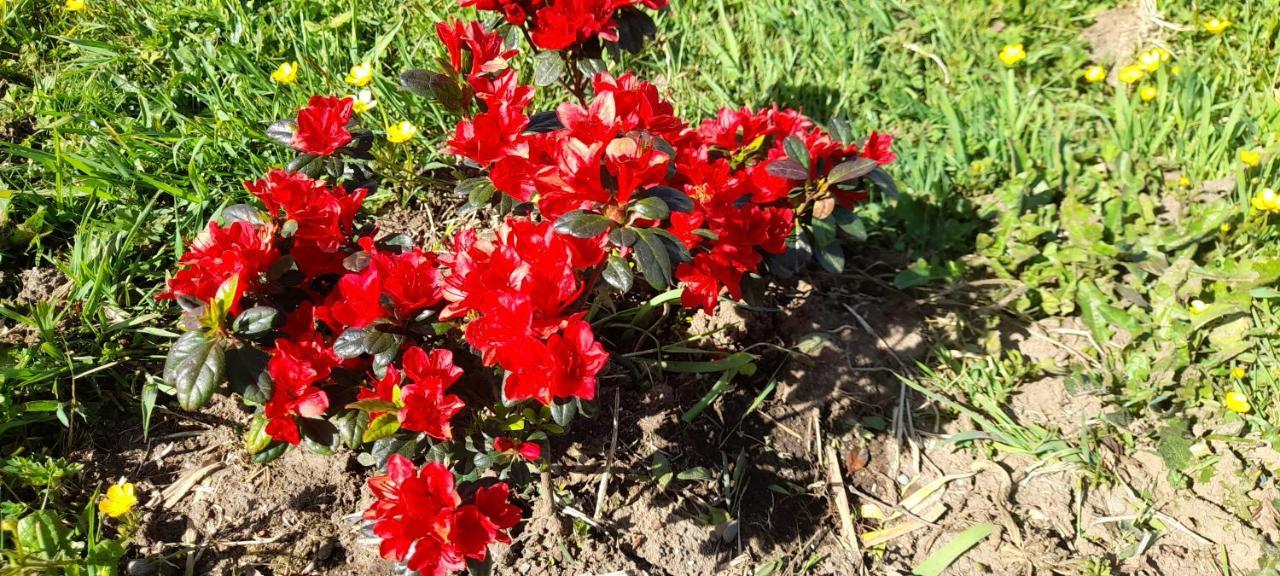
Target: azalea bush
(466, 357)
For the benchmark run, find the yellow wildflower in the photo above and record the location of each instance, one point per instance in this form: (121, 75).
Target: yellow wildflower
(73, 5)
(1131, 74)
(1224, 227)
(120, 499)
(1238, 373)
(1237, 402)
(8, 525)
(1012, 54)
(1176, 70)
(1148, 93)
(1215, 26)
(1095, 74)
(363, 102)
(1251, 157)
(1266, 201)
(286, 73)
(1149, 61)
(401, 132)
(360, 75)
(1184, 182)
(1197, 307)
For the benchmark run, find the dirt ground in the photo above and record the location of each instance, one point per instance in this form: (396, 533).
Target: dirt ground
(752, 488)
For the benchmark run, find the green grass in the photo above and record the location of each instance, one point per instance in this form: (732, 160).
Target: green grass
(128, 125)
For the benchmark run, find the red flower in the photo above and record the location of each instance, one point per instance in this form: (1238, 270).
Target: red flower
(488, 51)
(529, 451)
(241, 249)
(423, 523)
(426, 407)
(410, 281)
(357, 301)
(322, 126)
(296, 368)
(564, 367)
(324, 216)
(878, 148)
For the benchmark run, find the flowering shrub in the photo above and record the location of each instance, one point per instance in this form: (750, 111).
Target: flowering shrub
(341, 335)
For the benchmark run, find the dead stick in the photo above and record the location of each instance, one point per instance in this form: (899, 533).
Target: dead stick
(603, 492)
(835, 483)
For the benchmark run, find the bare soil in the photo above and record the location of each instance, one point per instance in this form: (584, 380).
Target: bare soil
(752, 487)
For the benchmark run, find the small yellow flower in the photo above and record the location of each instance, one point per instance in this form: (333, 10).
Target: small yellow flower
(1215, 26)
(1095, 74)
(120, 499)
(1224, 227)
(1149, 61)
(401, 132)
(73, 5)
(8, 525)
(1238, 373)
(1012, 54)
(1197, 307)
(1251, 157)
(1148, 93)
(1184, 182)
(1164, 55)
(360, 75)
(1176, 70)
(1131, 74)
(1237, 402)
(362, 102)
(286, 73)
(1266, 201)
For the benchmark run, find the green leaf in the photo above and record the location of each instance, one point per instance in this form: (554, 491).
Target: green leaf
(351, 426)
(849, 222)
(824, 231)
(41, 535)
(831, 257)
(1099, 315)
(381, 427)
(255, 321)
(651, 208)
(195, 367)
(247, 374)
(373, 405)
(256, 438)
(222, 303)
(273, 451)
(477, 190)
(677, 201)
(242, 213)
(582, 224)
(797, 151)
(548, 66)
(937, 562)
(622, 236)
(617, 273)
(357, 341)
(562, 413)
(652, 259)
(851, 170)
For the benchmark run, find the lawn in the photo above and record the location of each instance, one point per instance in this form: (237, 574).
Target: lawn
(1084, 267)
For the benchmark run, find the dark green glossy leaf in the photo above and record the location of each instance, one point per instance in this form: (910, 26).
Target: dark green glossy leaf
(247, 374)
(255, 321)
(562, 413)
(677, 201)
(651, 208)
(851, 224)
(272, 452)
(618, 273)
(281, 132)
(622, 236)
(652, 259)
(548, 66)
(797, 151)
(831, 257)
(373, 405)
(478, 191)
(242, 213)
(582, 224)
(196, 366)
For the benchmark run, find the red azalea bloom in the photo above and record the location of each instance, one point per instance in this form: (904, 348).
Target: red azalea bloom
(410, 281)
(529, 451)
(564, 367)
(296, 368)
(240, 249)
(423, 523)
(487, 49)
(322, 126)
(357, 301)
(878, 147)
(426, 407)
(325, 216)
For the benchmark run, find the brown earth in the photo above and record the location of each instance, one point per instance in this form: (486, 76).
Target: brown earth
(755, 490)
